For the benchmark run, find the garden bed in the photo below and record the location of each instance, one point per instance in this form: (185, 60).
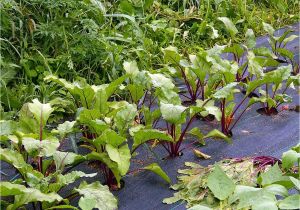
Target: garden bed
(254, 135)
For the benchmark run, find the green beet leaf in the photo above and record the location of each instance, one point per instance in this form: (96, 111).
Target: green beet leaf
(121, 156)
(155, 168)
(273, 175)
(41, 112)
(174, 114)
(143, 135)
(226, 91)
(291, 202)
(96, 196)
(218, 135)
(220, 184)
(131, 68)
(35, 147)
(230, 27)
(25, 195)
(64, 128)
(289, 158)
(62, 159)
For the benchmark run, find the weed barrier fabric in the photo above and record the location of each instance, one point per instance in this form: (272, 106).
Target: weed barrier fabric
(254, 135)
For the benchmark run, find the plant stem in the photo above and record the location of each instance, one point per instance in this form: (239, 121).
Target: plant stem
(239, 117)
(40, 159)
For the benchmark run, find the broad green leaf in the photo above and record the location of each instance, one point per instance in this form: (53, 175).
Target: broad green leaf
(161, 81)
(210, 108)
(104, 158)
(230, 27)
(155, 168)
(79, 89)
(220, 184)
(40, 111)
(196, 132)
(171, 55)
(250, 38)
(174, 114)
(136, 92)
(200, 66)
(7, 127)
(8, 188)
(71, 177)
(254, 67)
(289, 158)
(291, 202)
(258, 199)
(16, 159)
(268, 28)
(125, 116)
(131, 67)
(237, 49)
(277, 76)
(218, 135)
(96, 196)
(173, 199)
(109, 137)
(252, 85)
(289, 39)
(285, 53)
(273, 175)
(277, 189)
(25, 195)
(263, 51)
(62, 159)
(65, 128)
(143, 135)
(168, 96)
(101, 98)
(225, 91)
(35, 147)
(121, 156)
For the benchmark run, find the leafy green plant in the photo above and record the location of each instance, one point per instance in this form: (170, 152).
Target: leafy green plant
(40, 166)
(278, 45)
(240, 183)
(275, 84)
(104, 125)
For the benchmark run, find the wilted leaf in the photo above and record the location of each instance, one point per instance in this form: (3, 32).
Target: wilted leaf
(200, 154)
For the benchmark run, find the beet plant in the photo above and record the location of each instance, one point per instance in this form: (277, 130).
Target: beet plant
(104, 125)
(272, 92)
(41, 176)
(197, 72)
(278, 45)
